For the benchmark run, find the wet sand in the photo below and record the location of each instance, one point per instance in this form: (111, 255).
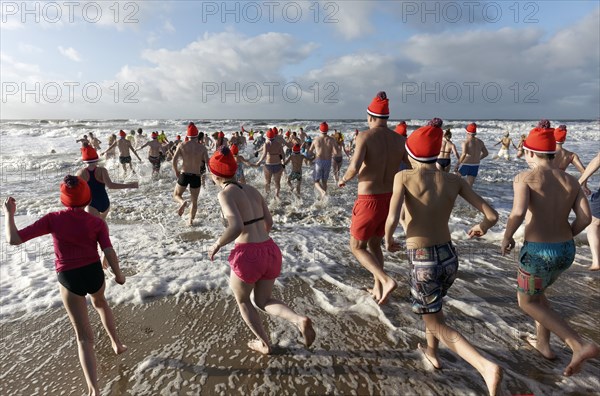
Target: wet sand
(197, 344)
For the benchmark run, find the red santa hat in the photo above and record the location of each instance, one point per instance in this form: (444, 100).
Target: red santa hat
(222, 163)
(425, 144)
(178, 137)
(122, 133)
(324, 127)
(221, 135)
(379, 106)
(154, 135)
(271, 134)
(296, 148)
(89, 155)
(401, 128)
(541, 139)
(560, 134)
(192, 130)
(234, 149)
(471, 128)
(75, 192)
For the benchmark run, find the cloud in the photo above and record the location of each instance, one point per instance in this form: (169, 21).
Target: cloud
(70, 53)
(168, 27)
(29, 49)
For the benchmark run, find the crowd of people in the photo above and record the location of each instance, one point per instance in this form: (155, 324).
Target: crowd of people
(402, 178)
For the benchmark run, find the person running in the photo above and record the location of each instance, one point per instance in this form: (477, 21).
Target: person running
(323, 148)
(338, 155)
(155, 152)
(593, 230)
(76, 235)
(241, 161)
(110, 153)
(544, 197)
(448, 147)
(378, 154)
(473, 151)
(563, 158)
(504, 152)
(256, 259)
(429, 195)
(124, 146)
(520, 150)
(84, 141)
(297, 159)
(193, 155)
(95, 142)
(272, 155)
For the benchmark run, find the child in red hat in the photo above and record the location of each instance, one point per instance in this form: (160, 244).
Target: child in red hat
(76, 235)
(473, 151)
(429, 195)
(544, 197)
(256, 259)
(563, 157)
(297, 159)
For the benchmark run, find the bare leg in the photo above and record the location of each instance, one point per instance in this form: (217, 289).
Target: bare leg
(373, 261)
(241, 291)
(320, 189)
(593, 235)
(298, 187)
(194, 192)
(108, 320)
(541, 342)
(471, 180)
(491, 372)
(541, 312)
(76, 307)
(178, 197)
(277, 177)
(267, 174)
(263, 300)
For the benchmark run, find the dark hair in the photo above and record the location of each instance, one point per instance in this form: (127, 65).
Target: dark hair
(71, 181)
(201, 136)
(545, 156)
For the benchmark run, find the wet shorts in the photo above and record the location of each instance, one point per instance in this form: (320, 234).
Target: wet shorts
(189, 178)
(469, 170)
(155, 161)
(252, 262)
(595, 204)
(322, 169)
(432, 272)
(295, 176)
(444, 162)
(338, 160)
(273, 168)
(125, 160)
(540, 264)
(503, 153)
(84, 280)
(369, 215)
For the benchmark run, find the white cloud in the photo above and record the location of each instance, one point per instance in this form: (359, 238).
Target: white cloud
(168, 27)
(70, 53)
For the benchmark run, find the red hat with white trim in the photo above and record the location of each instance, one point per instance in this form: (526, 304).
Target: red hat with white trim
(425, 144)
(222, 163)
(471, 128)
(560, 134)
(75, 192)
(401, 128)
(271, 134)
(379, 106)
(154, 135)
(89, 155)
(122, 133)
(324, 127)
(541, 139)
(192, 130)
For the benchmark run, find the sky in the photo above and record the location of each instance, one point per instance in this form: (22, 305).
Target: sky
(313, 59)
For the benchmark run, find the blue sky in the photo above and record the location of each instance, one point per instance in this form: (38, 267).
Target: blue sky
(180, 59)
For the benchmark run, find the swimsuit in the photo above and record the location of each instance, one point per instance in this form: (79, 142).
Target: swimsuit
(125, 160)
(322, 169)
(369, 215)
(273, 168)
(189, 178)
(444, 162)
(541, 263)
(469, 169)
(432, 272)
(83, 280)
(295, 176)
(503, 152)
(100, 200)
(595, 204)
(155, 161)
(252, 262)
(338, 160)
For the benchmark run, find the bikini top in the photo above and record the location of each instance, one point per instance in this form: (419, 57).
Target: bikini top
(227, 183)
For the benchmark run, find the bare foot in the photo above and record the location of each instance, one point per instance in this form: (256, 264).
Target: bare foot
(182, 208)
(259, 346)
(433, 358)
(543, 349)
(388, 287)
(119, 348)
(191, 223)
(594, 267)
(492, 375)
(307, 331)
(587, 351)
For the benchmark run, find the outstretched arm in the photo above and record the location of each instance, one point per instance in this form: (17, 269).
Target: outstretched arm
(356, 161)
(455, 151)
(583, 213)
(115, 186)
(394, 213)
(490, 215)
(10, 228)
(109, 148)
(578, 164)
(518, 212)
(134, 152)
(462, 156)
(589, 171)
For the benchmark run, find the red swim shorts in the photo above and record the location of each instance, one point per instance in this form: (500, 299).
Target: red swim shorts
(369, 215)
(252, 262)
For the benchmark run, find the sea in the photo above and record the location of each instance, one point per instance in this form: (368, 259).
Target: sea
(164, 258)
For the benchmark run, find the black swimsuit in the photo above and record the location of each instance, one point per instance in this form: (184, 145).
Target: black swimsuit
(245, 222)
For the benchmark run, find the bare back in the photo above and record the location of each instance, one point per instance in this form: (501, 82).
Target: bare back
(381, 151)
(124, 145)
(551, 195)
(562, 158)
(473, 149)
(447, 148)
(154, 148)
(249, 204)
(323, 147)
(193, 155)
(274, 152)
